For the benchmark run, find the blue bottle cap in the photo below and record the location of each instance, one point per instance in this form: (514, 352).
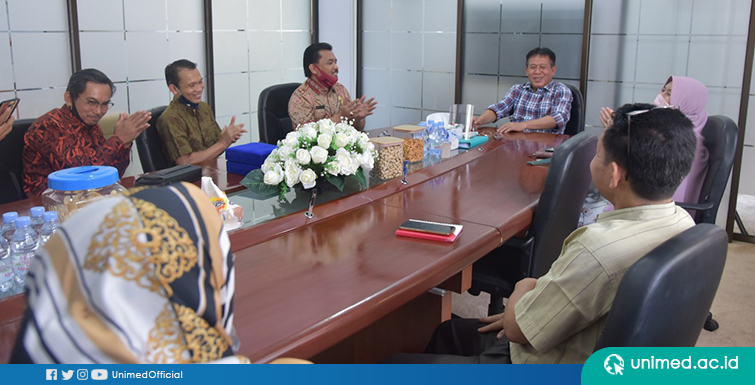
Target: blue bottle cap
(37, 211)
(50, 215)
(82, 178)
(22, 222)
(10, 217)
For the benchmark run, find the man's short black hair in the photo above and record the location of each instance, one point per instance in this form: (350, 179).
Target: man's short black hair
(312, 55)
(541, 51)
(77, 84)
(172, 70)
(661, 149)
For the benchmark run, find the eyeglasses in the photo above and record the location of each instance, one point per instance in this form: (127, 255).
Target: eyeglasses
(95, 104)
(629, 127)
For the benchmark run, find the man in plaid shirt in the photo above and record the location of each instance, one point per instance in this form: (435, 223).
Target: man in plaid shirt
(540, 105)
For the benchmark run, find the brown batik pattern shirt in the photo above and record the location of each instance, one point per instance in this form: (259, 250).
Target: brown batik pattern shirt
(301, 106)
(59, 140)
(184, 130)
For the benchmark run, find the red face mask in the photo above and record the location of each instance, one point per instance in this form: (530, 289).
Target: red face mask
(326, 80)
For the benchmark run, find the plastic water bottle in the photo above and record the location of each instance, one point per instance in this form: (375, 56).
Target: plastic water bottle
(22, 248)
(9, 225)
(436, 137)
(6, 269)
(49, 227)
(36, 218)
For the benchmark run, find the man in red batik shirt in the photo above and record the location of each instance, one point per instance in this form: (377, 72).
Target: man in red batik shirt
(70, 136)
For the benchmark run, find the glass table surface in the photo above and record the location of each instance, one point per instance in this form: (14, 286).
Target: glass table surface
(259, 208)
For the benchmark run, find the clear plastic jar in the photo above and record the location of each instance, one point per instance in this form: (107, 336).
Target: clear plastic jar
(71, 189)
(390, 160)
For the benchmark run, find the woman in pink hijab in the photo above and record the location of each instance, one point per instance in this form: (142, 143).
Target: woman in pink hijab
(690, 96)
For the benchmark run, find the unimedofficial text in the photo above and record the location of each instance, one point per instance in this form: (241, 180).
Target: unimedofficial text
(147, 374)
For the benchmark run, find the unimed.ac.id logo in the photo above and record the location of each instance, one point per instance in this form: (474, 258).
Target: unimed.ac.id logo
(614, 365)
(99, 374)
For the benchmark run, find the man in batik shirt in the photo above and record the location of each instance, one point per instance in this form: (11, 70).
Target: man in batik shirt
(540, 105)
(188, 128)
(70, 136)
(321, 96)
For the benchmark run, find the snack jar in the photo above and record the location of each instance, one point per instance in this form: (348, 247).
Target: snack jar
(390, 160)
(414, 142)
(72, 188)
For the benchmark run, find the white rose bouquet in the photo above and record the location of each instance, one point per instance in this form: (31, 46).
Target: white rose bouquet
(323, 149)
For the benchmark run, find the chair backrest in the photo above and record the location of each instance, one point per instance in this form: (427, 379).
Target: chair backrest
(11, 162)
(272, 112)
(560, 204)
(720, 134)
(107, 124)
(664, 298)
(150, 145)
(576, 123)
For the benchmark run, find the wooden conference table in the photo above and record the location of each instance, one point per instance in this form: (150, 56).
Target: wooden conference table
(341, 287)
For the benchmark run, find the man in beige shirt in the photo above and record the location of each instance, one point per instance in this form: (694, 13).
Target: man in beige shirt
(321, 96)
(559, 317)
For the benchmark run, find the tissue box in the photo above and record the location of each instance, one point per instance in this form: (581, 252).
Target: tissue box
(247, 157)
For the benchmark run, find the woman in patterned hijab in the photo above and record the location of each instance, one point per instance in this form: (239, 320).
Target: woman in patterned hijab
(145, 277)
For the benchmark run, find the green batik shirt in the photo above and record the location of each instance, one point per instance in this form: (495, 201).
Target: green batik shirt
(184, 130)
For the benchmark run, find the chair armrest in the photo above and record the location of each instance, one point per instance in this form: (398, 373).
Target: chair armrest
(696, 206)
(525, 246)
(520, 243)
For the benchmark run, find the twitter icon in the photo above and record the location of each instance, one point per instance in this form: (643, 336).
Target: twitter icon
(67, 374)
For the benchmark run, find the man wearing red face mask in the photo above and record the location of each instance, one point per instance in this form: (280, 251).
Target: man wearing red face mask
(321, 96)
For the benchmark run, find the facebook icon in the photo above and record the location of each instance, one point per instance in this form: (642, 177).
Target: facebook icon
(52, 374)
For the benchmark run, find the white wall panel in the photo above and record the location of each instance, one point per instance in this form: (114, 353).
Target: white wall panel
(40, 15)
(6, 65)
(406, 51)
(35, 103)
(33, 70)
(482, 16)
(231, 51)
(187, 45)
(148, 95)
(717, 60)
(295, 15)
(145, 15)
(379, 15)
(105, 51)
(667, 17)
(230, 15)
(406, 89)
(185, 15)
(264, 15)
(235, 95)
(100, 15)
(658, 57)
(147, 54)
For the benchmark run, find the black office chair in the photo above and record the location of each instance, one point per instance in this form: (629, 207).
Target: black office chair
(720, 135)
(576, 123)
(556, 216)
(11, 162)
(664, 297)
(150, 145)
(272, 112)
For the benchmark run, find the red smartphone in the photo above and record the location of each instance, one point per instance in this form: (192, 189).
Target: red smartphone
(8, 104)
(428, 227)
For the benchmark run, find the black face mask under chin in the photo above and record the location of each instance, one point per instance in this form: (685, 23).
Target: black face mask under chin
(185, 101)
(76, 114)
